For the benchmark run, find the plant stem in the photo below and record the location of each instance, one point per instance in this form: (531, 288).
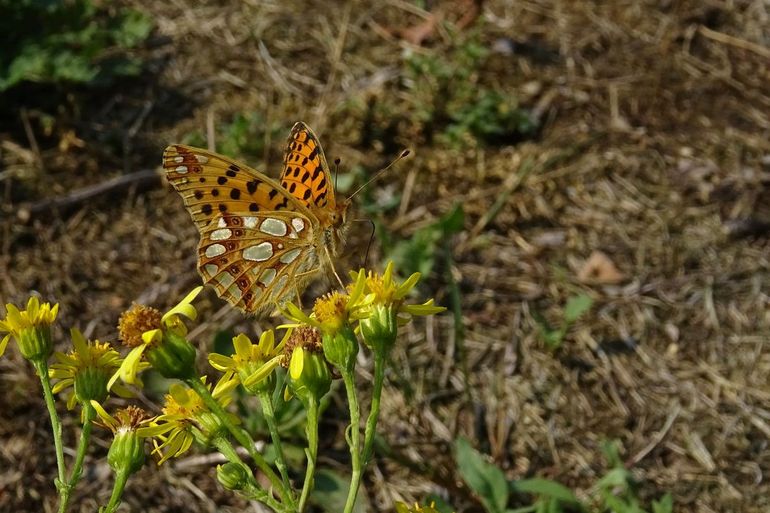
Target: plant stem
(267, 409)
(121, 477)
(355, 439)
(240, 435)
(252, 489)
(311, 429)
(374, 412)
(89, 413)
(41, 366)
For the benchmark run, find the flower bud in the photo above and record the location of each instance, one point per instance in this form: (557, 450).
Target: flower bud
(232, 476)
(90, 383)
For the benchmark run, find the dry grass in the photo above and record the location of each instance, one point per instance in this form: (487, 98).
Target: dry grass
(653, 149)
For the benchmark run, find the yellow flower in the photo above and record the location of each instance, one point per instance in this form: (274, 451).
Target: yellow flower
(252, 364)
(145, 329)
(87, 368)
(388, 309)
(31, 328)
(186, 418)
(130, 427)
(403, 508)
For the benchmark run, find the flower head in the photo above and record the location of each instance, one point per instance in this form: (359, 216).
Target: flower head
(160, 339)
(87, 368)
(186, 418)
(388, 308)
(251, 364)
(130, 427)
(31, 328)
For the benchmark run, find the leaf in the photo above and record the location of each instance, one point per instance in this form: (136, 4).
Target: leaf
(544, 487)
(331, 492)
(664, 505)
(576, 307)
(482, 477)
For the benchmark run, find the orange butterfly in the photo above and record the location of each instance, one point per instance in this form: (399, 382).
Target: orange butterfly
(261, 240)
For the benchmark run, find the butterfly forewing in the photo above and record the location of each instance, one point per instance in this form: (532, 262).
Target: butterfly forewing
(306, 174)
(212, 184)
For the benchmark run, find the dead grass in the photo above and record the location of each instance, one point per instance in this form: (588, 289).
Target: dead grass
(654, 150)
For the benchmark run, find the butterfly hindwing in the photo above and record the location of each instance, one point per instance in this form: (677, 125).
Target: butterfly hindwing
(211, 185)
(254, 259)
(306, 174)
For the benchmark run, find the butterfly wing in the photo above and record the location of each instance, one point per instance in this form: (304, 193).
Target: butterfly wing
(211, 185)
(257, 240)
(306, 174)
(255, 259)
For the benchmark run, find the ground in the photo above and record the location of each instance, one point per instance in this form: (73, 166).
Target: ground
(639, 177)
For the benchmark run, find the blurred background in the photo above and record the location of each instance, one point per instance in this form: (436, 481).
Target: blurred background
(588, 194)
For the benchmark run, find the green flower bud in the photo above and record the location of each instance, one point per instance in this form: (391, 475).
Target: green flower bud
(232, 476)
(341, 348)
(380, 328)
(174, 357)
(126, 453)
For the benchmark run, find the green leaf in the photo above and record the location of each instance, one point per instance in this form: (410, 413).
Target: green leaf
(331, 492)
(482, 477)
(576, 307)
(664, 505)
(544, 487)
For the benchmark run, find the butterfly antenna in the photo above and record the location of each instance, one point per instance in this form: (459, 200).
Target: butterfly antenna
(379, 173)
(336, 171)
(369, 246)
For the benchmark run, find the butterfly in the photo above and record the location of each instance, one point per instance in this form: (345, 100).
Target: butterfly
(262, 240)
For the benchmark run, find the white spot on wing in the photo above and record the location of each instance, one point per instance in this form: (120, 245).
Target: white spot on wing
(221, 234)
(273, 226)
(250, 222)
(267, 276)
(224, 279)
(298, 224)
(222, 223)
(202, 159)
(179, 159)
(235, 292)
(258, 253)
(181, 169)
(214, 250)
(290, 256)
(210, 269)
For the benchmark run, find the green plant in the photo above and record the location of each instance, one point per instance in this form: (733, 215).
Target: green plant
(615, 492)
(76, 41)
(447, 97)
(575, 308)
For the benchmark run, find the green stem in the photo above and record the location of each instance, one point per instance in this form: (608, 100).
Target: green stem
(41, 366)
(121, 477)
(355, 439)
(312, 451)
(374, 412)
(240, 435)
(267, 409)
(252, 489)
(89, 414)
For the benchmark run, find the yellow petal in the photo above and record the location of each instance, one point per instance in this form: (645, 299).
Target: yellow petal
(297, 363)
(408, 285)
(81, 346)
(242, 346)
(4, 343)
(33, 307)
(263, 371)
(128, 369)
(221, 362)
(106, 417)
(184, 307)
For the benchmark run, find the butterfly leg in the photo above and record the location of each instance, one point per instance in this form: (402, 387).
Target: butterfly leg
(331, 265)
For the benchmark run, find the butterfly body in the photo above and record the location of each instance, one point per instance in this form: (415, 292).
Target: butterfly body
(262, 240)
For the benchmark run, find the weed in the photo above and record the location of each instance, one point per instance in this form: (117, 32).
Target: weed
(575, 308)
